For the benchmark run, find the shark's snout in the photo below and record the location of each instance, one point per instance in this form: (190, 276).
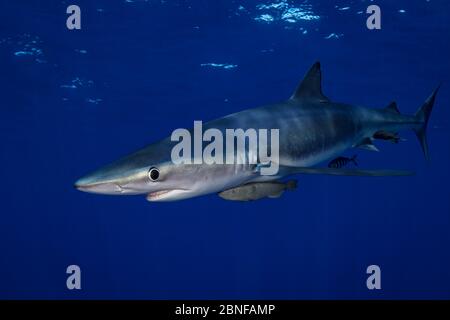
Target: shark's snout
(92, 185)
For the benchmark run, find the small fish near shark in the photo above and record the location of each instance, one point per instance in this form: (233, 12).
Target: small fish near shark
(258, 190)
(312, 129)
(340, 162)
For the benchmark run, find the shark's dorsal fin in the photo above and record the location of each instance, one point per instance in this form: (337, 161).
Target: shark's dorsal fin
(392, 107)
(311, 86)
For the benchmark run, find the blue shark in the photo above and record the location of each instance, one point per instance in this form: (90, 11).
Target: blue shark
(312, 129)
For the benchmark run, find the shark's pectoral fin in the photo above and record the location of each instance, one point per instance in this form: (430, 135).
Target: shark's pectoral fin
(311, 86)
(366, 144)
(348, 172)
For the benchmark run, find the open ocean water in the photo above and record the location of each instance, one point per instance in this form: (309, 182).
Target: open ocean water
(74, 100)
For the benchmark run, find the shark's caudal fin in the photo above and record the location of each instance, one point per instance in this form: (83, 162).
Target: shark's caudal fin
(423, 115)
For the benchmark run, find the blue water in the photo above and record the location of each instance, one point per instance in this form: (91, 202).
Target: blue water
(72, 101)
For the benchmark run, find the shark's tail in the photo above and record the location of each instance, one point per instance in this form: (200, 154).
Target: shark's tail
(423, 115)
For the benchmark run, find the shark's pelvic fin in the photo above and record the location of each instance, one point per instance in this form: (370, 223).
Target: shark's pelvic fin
(367, 144)
(392, 107)
(311, 86)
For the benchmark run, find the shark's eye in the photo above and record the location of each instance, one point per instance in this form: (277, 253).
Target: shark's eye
(153, 174)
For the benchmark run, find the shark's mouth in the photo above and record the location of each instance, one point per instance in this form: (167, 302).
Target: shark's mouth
(166, 195)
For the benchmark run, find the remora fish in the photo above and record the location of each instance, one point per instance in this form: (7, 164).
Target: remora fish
(258, 190)
(312, 129)
(340, 162)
